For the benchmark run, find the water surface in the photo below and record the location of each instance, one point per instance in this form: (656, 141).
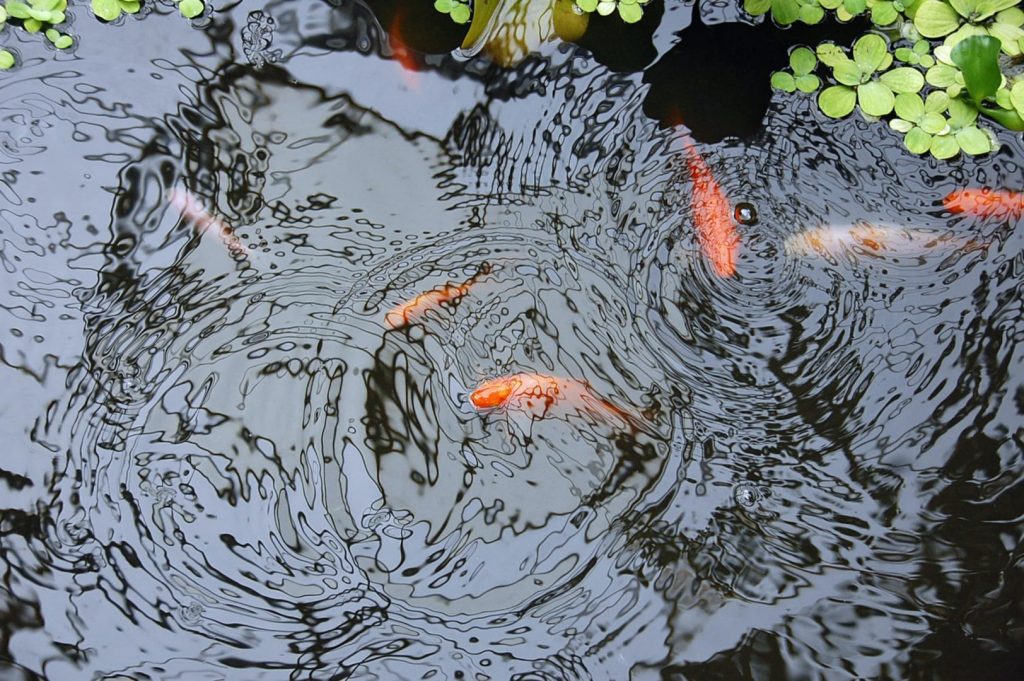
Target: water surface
(227, 466)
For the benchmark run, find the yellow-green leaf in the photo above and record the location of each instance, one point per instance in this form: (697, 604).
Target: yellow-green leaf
(837, 101)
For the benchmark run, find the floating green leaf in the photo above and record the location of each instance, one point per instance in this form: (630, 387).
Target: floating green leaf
(944, 146)
(6, 60)
(783, 81)
(1017, 97)
(875, 99)
(869, 51)
(973, 141)
(917, 141)
(631, 12)
(903, 79)
(808, 83)
(193, 8)
(802, 61)
(458, 10)
(837, 101)
(935, 18)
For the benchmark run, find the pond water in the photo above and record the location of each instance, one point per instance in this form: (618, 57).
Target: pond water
(223, 461)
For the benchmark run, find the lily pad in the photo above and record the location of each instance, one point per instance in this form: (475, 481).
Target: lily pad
(6, 60)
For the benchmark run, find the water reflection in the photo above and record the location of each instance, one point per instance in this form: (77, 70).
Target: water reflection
(236, 463)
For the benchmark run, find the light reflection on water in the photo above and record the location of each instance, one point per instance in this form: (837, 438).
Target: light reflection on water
(228, 466)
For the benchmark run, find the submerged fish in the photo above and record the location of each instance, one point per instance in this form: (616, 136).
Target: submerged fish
(402, 53)
(986, 203)
(712, 216)
(404, 314)
(540, 394)
(877, 238)
(192, 210)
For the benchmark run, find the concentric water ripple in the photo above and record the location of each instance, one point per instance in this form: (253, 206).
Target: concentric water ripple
(226, 455)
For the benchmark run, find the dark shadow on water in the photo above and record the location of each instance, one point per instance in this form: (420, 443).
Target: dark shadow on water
(715, 81)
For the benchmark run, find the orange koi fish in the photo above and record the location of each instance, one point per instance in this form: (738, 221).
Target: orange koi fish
(193, 210)
(539, 394)
(402, 53)
(404, 314)
(712, 216)
(986, 203)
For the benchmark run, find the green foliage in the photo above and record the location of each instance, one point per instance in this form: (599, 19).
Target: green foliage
(978, 60)
(864, 79)
(458, 10)
(110, 10)
(935, 96)
(802, 62)
(45, 16)
(957, 20)
(190, 8)
(630, 11)
(36, 14)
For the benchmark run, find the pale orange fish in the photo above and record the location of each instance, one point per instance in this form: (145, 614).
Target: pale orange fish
(712, 216)
(541, 394)
(986, 203)
(204, 222)
(402, 53)
(878, 239)
(407, 312)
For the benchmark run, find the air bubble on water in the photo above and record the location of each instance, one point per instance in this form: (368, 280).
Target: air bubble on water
(746, 495)
(192, 612)
(746, 214)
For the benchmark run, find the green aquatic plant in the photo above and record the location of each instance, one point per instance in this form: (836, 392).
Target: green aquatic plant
(45, 16)
(864, 80)
(35, 14)
(936, 111)
(919, 54)
(959, 19)
(920, 120)
(787, 12)
(458, 10)
(802, 61)
(110, 10)
(630, 11)
(977, 57)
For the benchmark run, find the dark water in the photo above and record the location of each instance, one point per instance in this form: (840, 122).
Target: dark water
(224, 465)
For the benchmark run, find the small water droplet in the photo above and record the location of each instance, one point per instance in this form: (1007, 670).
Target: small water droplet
(746, 214)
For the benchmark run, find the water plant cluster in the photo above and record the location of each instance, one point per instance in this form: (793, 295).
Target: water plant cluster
(49, 16)
(461, 11)
(932, 68)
